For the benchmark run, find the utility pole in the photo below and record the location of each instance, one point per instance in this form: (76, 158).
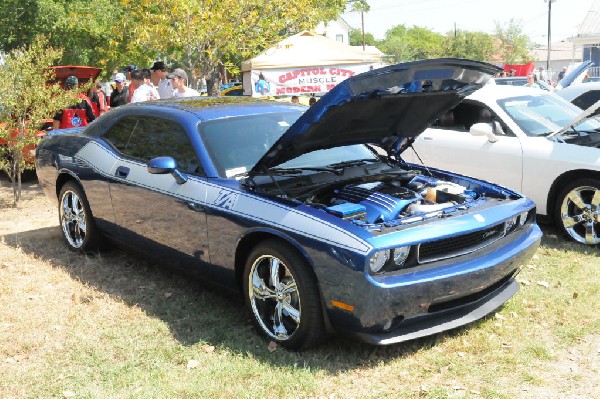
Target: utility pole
(549, 33)
(362, 22)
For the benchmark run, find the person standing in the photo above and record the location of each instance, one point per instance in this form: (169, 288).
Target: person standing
(179, 79)
(80, 114)
(532, 81)
(120, 94)
(98, 98)
(561, 74)
(142, 91)
(161, 81)
(128, 70)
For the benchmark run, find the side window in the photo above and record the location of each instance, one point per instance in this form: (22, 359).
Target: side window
(119, 134)
(157, 137)
(466, 114)
(588, 99)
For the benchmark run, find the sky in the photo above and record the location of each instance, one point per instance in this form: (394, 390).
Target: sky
(475, 15)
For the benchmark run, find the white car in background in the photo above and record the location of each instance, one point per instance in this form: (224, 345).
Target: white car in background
(529, 140)
(584, 95)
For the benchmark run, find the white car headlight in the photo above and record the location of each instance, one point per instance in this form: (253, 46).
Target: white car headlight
(378, 260)
(523, 218)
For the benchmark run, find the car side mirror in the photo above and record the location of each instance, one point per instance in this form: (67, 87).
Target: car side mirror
(164, 165)
(483, 129)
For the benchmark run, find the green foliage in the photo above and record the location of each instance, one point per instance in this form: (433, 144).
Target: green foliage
(17, 19)
(514, 44)
(202, 35)
(357, 40)
(87, 31)
(473, 45)
(408, 44)
(27, 100)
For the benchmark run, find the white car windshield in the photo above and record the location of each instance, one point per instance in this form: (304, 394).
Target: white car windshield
(541, 115)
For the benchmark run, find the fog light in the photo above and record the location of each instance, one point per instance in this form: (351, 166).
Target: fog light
(378, 260)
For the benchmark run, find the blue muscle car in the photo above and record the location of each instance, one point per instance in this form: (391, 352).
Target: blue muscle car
(310, 213)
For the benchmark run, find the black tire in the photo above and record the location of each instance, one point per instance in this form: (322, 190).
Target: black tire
(577, 211)
(76, 220)
(289, 314)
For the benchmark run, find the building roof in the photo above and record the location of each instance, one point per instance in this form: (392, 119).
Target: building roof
(591, 23)
(559, 51)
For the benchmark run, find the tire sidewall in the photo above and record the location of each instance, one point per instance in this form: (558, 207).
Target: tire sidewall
(89, 240)
(584, 182)
(305, 284)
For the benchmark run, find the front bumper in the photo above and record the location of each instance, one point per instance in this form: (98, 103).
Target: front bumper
(433, 324)
(450, 294)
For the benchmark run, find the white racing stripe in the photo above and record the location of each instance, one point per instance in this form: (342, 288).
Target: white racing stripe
(226, 200)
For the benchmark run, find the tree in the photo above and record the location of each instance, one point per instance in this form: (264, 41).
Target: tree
(356, 38)
(203, 35)
(408, 44)
(26, 100)
(473, 45)
(91, 33)
(514, 45)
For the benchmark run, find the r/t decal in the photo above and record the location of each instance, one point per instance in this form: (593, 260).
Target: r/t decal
(226, 199)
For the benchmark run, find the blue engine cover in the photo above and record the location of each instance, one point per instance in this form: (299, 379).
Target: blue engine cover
(382, 202)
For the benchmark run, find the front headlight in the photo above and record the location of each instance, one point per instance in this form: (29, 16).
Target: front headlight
(378, 260)
(523, 218)
(400, 255)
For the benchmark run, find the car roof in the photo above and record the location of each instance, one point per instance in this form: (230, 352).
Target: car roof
(499, 92)
(575, 90)
(209, 108)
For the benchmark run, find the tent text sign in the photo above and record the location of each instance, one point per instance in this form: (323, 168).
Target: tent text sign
(294, 81)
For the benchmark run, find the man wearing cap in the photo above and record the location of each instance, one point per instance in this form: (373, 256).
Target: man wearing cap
(120, 94)
(143, 91)
(160, 80)
(76, 115)
(180, 79)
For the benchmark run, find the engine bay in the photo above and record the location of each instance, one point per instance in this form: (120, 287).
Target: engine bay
(382, 194)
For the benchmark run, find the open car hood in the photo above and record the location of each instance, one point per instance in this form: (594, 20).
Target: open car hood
(586, 114)
(383, 106)
(575, 75)
(83, 73)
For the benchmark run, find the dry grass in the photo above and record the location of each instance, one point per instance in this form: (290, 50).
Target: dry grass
(115, 326)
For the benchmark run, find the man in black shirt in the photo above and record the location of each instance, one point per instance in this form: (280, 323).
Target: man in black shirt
(120, 94)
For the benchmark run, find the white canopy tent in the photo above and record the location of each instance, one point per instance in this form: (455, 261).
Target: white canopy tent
(305, 63)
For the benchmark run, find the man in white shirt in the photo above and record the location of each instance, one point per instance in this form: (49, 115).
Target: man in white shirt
(179, 78)
(143, 91)
(160, 80)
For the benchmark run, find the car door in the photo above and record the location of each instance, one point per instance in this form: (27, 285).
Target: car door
(449, 145)
(153, 212)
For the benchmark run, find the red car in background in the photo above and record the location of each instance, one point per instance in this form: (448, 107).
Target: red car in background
(84, 74)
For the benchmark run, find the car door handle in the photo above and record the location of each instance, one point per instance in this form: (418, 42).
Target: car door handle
(122, 171)
(427, 138)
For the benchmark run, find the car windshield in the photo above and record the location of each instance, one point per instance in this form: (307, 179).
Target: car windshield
(236, 144)
(541, 115)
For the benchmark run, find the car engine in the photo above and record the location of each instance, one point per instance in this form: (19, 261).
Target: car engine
(380, 202)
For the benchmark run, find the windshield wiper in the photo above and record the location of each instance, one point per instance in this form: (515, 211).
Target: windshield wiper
(297, 171)
(355, 162)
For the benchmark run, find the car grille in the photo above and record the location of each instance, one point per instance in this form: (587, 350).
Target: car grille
(460, 245)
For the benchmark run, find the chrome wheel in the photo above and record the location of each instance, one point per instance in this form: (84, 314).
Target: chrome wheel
(580, 214)
(274, 297)
(73, 219)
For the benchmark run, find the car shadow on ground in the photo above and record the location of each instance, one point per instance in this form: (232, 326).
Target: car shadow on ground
(197, 312)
